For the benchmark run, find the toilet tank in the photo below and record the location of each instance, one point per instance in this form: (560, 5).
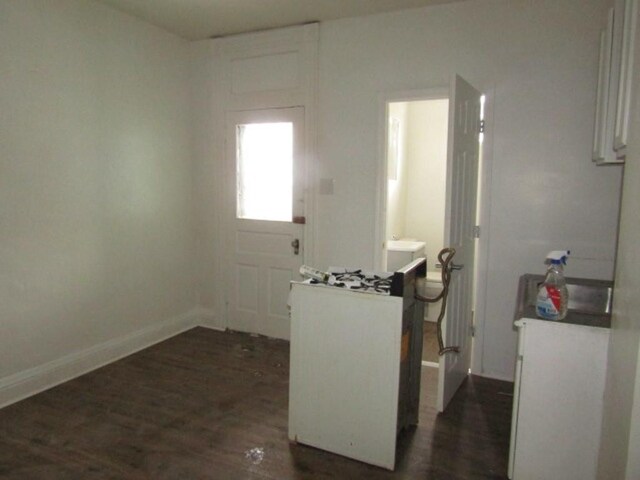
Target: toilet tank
(403, 252)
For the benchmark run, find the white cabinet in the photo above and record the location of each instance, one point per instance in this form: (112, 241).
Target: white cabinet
(603, 128)
(626, 74)
(558, 400)
(614, 82)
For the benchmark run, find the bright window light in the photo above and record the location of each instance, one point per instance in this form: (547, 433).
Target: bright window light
(265, 171)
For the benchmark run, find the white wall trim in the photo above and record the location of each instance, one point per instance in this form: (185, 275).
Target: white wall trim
(26, 383)
(207, 318)
(494, 376)
(213, 327)
(482, 251)
(426, 363)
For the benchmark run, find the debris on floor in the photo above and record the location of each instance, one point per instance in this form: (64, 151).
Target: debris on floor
(255, 455)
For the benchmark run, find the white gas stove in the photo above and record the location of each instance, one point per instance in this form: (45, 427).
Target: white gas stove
(356, 348)
(357, 280)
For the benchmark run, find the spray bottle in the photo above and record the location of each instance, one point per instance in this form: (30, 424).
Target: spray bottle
(553, 297)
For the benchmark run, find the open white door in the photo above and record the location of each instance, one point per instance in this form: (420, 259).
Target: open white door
(265, 217)
(460, 219)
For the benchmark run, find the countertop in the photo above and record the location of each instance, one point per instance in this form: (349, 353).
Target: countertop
(590, 301)
(573, 318)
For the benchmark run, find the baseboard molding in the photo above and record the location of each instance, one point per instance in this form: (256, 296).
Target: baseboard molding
(207, 318)
(495, 376)
(212, 327)
(430, 364)
(42, 377)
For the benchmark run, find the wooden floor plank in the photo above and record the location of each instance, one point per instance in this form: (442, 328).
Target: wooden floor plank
(430, 342)
(208, 404)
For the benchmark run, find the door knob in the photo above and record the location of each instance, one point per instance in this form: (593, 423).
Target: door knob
(455, 266)
(296, 246)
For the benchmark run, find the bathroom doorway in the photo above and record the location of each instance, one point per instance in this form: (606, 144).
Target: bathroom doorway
(416, 195)
(462, 134)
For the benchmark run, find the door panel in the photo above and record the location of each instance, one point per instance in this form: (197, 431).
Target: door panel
(279, 281)
(247, 277)
(263, 243)
(460, 219)
(261, 259)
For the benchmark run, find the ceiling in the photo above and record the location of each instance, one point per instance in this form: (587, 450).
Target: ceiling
(200, 19)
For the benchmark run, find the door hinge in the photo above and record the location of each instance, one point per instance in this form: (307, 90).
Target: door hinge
(482, 126)
(476, 231)
(472, 324)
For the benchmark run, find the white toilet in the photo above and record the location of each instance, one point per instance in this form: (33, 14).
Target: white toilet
(433, 287)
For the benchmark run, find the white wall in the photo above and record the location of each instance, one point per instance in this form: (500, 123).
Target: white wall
(620, 445)
(537, 63)
(95, 184)
(426, 183)
(397, 188)
(207, 207)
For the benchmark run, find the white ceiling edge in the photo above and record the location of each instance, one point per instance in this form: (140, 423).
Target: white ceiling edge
(201, 19)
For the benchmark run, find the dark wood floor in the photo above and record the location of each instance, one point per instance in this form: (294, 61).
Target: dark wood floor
(213, 405)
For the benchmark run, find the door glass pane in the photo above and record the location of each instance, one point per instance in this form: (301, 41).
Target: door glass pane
(265, 171)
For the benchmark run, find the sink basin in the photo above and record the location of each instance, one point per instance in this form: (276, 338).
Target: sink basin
(405, 245)
(589, 300)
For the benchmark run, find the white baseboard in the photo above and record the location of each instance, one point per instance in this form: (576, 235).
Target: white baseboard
(207, 318)
(430, 364)
(495, 376)
(212, 327)
(42, 377)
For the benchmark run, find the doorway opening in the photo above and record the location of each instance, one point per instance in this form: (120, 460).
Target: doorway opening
(428, 202)
(416, 195)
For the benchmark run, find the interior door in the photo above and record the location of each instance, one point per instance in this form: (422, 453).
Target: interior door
(460, 219)
(265, 217)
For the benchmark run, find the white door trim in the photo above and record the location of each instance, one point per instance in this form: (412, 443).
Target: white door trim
(484, 219)
(304, 41)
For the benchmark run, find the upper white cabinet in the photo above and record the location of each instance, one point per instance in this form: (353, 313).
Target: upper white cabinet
(626, 71)
(603, 135)
(614, 82)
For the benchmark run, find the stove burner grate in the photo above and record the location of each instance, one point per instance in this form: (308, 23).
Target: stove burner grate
(360, 281)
